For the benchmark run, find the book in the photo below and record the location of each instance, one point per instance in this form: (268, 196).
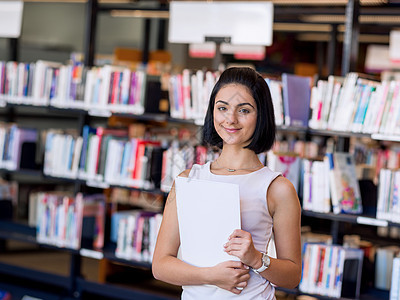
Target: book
(346, 103)
(5, 295)
(296, 99)
(87, 132)
(383, 266)
(287, 164)
(395, 280)
(275, 88)
(216, 202)
(90, 224)
(344, 187)
(332, 271)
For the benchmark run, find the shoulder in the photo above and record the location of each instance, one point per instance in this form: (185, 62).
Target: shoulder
(185, 173)
(282, 194)
(193, 171)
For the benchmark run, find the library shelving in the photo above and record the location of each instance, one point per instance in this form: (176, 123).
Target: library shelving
(19, 232)
(73, 285)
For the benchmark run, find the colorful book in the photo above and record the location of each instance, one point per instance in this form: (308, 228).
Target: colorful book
(344, 186)
(296, 99)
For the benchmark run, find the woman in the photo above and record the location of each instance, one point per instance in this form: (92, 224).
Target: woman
(240, 121)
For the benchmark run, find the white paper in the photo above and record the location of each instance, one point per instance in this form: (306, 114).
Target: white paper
(394, 44)
(208, 212)
(193, 21)
(11, 18)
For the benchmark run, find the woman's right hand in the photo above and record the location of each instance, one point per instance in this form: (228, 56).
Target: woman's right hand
(230, 275)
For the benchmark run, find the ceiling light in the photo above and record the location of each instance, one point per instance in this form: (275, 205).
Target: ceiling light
(323, 18)
(379, 19)
(154, 14)
(328, 2)
(302, 27)
(312, 37)
(369, 38)
(310, 2)
(341, 19)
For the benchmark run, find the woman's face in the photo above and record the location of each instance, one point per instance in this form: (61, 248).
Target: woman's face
(235, 114)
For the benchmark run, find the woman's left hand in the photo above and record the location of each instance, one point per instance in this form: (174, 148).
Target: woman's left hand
(240, 244)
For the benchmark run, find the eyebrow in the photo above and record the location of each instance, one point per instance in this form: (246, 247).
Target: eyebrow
(240, 104)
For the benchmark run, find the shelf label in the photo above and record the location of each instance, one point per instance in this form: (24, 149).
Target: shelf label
(100, 113)
(383, 137)
(91, 253)
(97, 184)
(372, 221)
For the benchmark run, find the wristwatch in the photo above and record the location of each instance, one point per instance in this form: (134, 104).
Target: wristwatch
(265, 263)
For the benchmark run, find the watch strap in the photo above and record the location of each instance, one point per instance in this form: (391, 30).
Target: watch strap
(265, 263)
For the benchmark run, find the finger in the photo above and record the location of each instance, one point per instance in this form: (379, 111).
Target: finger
(236, 233)
(245, 277)
(236, 253)
(238, 241)
(242, 284)
(241, 275)
(236, 247)
(236, 264)
(235, 291)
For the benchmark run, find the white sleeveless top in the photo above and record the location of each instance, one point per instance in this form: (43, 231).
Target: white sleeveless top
(255, 218)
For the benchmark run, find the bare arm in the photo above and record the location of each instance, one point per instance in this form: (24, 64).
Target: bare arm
(284, 206)
(167, 267)
(285, 271)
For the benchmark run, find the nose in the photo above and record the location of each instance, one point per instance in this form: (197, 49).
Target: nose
(231, 118)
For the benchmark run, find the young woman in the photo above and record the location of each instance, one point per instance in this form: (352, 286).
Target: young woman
(240, 121)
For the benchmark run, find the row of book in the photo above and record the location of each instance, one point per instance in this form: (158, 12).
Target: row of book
(17, 146)
(189, 94)
(66, 221)
(356, 104)
(176, 159)
(339, 174)
(99, 89)
(388, 204)
(325, 186)
(346, 103)
(110, 156)
(104, 155)
(323, 270)
(135, 233)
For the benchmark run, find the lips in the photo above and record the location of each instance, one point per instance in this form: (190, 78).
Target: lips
(231, 130)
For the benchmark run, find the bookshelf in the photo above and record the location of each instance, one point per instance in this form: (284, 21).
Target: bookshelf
(74, 285)
(10, 230)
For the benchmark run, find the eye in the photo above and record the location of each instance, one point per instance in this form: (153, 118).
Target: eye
(244, 111)
(221, 108)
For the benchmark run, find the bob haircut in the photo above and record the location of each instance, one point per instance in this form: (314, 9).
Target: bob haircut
(263, 137)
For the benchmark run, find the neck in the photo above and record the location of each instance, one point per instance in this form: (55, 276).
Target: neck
(235, 158)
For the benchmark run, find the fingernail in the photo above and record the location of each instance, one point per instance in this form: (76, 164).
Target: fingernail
(246, 267)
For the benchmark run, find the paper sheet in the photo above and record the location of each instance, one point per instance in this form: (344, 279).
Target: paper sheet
(208, 212)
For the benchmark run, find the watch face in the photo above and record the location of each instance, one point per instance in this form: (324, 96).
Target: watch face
(265, 260)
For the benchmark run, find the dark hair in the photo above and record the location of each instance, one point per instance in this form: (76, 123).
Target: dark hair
(264, 134)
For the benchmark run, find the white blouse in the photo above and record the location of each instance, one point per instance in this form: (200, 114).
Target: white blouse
(255, 218)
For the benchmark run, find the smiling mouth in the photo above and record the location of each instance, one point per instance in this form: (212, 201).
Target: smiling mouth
(232, 130)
